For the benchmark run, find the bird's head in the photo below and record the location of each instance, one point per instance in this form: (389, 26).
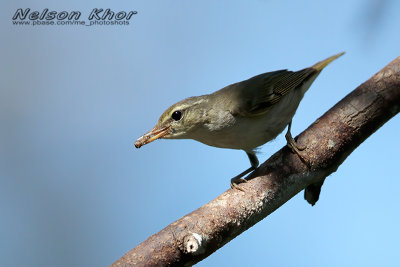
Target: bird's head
(179, 121)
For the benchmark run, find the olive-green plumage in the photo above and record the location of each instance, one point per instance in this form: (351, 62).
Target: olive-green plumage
(244, 115)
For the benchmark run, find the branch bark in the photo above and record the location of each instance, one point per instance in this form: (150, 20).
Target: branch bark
(330, 140)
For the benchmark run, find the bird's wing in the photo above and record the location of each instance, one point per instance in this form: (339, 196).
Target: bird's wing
(256, 95)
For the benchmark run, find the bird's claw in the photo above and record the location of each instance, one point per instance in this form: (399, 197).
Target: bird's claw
(292, 144)
(235, 183)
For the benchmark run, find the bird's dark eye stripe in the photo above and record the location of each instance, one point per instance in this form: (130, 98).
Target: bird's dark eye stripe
(176, 115)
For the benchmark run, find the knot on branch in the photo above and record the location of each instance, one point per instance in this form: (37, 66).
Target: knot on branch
(193, 244)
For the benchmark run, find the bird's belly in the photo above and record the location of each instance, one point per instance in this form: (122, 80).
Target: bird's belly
(253, 134)
(246, 135)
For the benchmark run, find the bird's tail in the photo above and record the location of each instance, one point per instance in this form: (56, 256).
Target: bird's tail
(322, 64)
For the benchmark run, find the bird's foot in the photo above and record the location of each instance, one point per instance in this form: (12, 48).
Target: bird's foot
(292, 144)
(236, 181)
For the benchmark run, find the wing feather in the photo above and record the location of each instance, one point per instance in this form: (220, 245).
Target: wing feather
(259, 93)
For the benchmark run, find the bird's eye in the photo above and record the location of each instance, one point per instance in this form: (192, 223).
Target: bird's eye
(176, 115)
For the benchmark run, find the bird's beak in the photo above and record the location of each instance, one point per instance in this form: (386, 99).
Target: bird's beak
(152, 135)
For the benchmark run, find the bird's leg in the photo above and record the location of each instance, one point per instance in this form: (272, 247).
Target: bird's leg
(291, 143)
(235, 181)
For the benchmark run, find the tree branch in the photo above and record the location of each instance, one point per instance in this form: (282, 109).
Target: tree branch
(330, 140)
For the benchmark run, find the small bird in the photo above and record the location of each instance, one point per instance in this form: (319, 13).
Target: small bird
(243, 115)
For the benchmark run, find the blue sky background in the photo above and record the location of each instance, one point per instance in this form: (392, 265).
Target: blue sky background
(75, 192)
